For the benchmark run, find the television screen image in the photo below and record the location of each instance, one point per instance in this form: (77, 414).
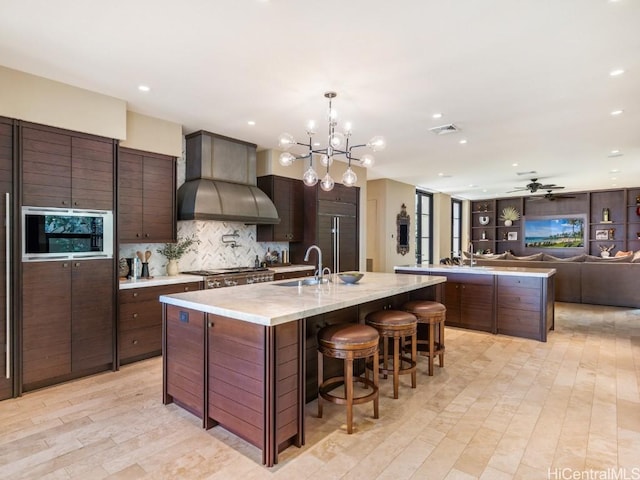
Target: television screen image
(554, 232)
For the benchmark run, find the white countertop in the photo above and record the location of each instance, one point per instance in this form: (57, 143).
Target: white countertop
(158, 281)
(271, 304)
(480, 270)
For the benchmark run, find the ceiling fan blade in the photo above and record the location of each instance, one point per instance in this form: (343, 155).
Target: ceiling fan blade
(550, 187)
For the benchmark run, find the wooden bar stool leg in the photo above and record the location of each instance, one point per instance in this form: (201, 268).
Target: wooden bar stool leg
(414, 358)
(320, 379)
(441, 340)
(376, 381)
(348, 386)
(431, 348)
(396, 366)
(385, 354)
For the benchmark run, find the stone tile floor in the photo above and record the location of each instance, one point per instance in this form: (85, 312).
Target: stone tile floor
(501, 408)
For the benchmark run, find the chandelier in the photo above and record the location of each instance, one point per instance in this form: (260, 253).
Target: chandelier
(337, 145)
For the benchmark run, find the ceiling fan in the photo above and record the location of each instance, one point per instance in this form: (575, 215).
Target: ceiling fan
(534, 186)
(549, 196)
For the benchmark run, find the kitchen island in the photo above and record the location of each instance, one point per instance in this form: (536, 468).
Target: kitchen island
(512, 301)
(238, 356)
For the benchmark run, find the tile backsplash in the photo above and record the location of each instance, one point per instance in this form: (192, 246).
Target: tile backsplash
(211, 252)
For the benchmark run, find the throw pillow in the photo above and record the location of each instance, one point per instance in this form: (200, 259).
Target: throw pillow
(551, 258)
(593, 258)
(623, 254)
(532, 258)
(636, 257)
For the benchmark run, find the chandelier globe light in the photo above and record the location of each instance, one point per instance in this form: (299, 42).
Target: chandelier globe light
(337, 145)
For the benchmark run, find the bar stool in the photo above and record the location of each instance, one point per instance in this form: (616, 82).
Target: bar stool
(348, 342)
(396, 325)
(432, 314)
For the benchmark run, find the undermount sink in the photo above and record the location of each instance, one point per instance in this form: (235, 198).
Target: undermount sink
(300, 282)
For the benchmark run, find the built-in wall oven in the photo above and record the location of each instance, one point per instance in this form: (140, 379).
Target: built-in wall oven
(59, 233)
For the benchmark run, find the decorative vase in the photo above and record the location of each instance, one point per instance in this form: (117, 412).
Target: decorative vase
(172, 267)
(508, 223)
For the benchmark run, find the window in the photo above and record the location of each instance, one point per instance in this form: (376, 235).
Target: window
(456, 228)
(424, 227)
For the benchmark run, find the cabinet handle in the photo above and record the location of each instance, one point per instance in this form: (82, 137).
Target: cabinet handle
(135, 294)
(146, 235)
(209, 324)
(77, 264)
(65, 265)
(75, 203)
(135, 342)
(64, 202)
(137, 235)
(186, 289)
(135, 315)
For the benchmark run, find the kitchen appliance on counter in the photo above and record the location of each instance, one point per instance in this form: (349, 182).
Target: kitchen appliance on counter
(229, 277)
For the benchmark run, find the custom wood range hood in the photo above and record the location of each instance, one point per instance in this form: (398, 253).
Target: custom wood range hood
(221, 182)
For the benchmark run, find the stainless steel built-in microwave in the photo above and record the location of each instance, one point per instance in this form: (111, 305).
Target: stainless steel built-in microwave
(60, 233)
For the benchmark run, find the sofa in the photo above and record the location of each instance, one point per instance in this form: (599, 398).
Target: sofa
(582, 279)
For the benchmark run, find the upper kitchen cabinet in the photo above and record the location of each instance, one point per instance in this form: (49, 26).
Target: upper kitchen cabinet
(146, 197)
(66, 169)
(287, 195)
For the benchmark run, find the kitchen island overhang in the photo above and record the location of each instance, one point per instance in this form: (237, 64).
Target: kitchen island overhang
(236, 356)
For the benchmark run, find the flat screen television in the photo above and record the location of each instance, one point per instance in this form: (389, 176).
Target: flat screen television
(561, 233)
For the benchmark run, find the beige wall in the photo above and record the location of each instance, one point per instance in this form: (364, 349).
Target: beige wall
(39, 100)
(441, 226)
(153, 135)
(47, 102)
(385, 198)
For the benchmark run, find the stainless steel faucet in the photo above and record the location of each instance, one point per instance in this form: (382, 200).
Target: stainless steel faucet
(318, 273)
(471, 261)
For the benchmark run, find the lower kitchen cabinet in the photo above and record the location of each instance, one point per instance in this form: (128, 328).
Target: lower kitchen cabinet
(67, 320)
(470, 301)
(140, 320)
(294, 274)
(523, 306)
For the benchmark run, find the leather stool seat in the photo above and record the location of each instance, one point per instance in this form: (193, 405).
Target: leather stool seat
(433, 314)
(348, 342)
(396, 325)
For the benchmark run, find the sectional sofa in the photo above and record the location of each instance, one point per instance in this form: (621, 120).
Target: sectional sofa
(582, 279)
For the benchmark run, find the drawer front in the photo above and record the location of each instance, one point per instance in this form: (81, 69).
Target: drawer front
(152, 293)
(140, 315)
(140, 341)
(522, 282)
(520, 300)
(467, 278)
(519, 323)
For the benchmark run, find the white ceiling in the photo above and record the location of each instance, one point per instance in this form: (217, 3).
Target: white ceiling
(526, 81)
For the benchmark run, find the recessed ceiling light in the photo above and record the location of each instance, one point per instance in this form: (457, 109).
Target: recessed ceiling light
(484, 190)
(462, 142)
(436, 115)
(615, 153)
(616, 72)
(441, 174)
(251, 122)
(144, 88)
(617, 112)
(471, 185)
(615, 170)
(614, 178)
(514, 164)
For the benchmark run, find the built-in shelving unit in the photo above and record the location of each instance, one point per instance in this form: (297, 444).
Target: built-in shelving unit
(621, 229)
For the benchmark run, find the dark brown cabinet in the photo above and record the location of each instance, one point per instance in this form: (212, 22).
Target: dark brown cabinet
(611, 225)
(331, 222)
(470, 301)
(146, 197)
(294, 274)
(66, 169)
(287, 195)
(67, 320)
(6, 188)
(140, 320)
(521, 305)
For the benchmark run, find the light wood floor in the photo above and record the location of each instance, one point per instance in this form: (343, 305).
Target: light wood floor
(501, 408)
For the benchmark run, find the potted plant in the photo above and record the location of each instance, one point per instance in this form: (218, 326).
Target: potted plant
(509, 215)
(175, 251)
